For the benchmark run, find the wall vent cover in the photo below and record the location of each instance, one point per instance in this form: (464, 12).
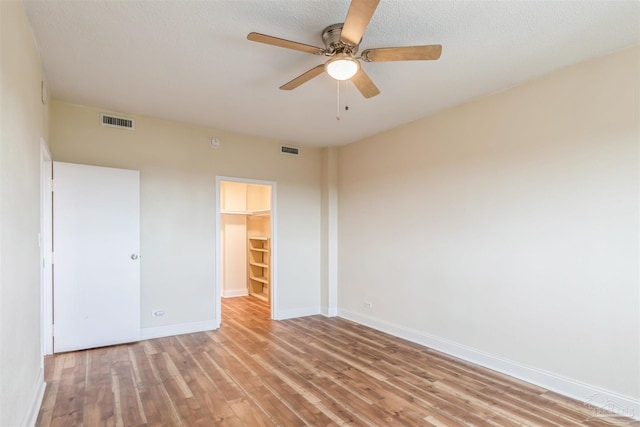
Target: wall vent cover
(292, 151)
(116, 122)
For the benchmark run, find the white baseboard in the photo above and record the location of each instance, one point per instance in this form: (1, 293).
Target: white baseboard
(177, 329)
(594, 397)
(37, 395)
(297, 312)
(232, 293)
(329, 311)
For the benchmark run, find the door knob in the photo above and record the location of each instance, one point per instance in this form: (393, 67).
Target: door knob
(134, 256)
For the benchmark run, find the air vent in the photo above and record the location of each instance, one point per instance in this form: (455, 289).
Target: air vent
(116, 122)
(292, 151)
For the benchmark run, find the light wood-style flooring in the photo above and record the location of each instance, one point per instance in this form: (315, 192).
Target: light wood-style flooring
(312, 371)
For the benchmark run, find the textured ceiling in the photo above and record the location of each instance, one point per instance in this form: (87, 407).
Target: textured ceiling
(190, 61)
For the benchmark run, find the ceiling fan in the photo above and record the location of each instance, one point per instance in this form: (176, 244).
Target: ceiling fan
(341, 43)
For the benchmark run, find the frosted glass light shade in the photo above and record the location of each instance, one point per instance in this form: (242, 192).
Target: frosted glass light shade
(342, 67)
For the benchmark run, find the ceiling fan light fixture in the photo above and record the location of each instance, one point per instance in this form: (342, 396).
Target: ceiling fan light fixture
(342, 67)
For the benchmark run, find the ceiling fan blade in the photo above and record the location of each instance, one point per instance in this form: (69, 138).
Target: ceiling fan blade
(364, 84)
(275, 41)
(303, 78)
(358, 17)
(406, 53)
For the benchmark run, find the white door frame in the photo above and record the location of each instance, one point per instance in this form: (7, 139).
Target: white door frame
(274, 246)
(46, 246)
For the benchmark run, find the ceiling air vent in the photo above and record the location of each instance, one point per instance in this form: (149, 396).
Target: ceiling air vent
(116, 122)
(292, 151)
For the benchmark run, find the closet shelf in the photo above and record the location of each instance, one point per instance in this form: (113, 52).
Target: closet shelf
(259, 264)
(258, 212)
(261, 295)
(261, 279)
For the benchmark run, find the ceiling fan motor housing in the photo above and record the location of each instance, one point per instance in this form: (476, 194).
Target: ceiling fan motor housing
(332, 42)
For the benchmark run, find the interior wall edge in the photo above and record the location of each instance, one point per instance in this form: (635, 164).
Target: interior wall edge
(329, 311)
(592, 396)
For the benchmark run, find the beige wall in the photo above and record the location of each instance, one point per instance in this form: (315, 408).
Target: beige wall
(177, 171)
(507, 228)
(23, 122)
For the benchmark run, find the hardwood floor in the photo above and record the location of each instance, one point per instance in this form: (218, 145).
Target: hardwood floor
(313, 371)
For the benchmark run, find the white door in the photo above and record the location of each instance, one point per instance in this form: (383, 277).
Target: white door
(96, 236)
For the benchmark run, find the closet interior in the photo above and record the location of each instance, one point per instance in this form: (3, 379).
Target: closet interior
(246, 239)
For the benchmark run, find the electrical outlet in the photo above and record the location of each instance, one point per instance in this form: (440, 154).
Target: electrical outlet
(157, 313)
(368, 305)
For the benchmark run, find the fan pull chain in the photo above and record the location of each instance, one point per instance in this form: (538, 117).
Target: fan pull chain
(338, 100)
(346, 89)
(346, 106)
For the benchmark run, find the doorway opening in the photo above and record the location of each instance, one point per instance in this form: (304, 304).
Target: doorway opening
(245, 242)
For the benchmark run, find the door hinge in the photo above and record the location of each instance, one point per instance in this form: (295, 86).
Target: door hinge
(53, 257)
(52, 182)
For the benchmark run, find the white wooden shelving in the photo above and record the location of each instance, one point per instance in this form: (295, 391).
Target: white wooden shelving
(259, 212)
(259, 260)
